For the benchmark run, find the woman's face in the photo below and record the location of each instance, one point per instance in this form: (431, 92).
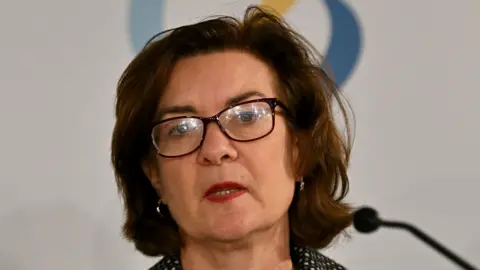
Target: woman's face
(203, 85)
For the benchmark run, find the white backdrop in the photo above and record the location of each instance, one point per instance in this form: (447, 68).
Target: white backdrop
(414, 91)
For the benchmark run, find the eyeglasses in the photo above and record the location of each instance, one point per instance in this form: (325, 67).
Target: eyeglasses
(243, 122)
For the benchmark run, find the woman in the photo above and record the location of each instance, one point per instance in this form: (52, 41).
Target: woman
(225, 149)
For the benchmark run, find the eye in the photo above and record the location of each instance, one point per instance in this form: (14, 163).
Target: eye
(247, 116)
(179, 129)
(183, 127)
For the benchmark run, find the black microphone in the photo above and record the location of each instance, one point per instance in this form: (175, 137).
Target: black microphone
(366, 220)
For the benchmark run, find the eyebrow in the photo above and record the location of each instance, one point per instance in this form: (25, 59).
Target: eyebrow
(190, 109)
(243, 97)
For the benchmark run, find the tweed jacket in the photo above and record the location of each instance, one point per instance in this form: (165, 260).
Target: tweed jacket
(303, 259)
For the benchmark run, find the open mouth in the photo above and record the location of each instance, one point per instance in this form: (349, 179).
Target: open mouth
(225, 191)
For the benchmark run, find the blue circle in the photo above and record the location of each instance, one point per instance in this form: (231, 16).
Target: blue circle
(342, 55)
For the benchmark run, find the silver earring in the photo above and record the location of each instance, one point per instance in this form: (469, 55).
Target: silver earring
(302, 184)
(159, 211)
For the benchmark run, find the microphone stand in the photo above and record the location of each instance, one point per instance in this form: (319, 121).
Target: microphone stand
(430, 241)
(366, 220)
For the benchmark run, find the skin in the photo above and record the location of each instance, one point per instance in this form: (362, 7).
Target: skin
(250, 231)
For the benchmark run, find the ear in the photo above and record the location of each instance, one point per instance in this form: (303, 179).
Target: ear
(150, 169)
(295, 156)
(293, 153)
(296, 149)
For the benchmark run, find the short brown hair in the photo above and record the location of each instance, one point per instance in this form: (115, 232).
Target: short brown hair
(318, 213)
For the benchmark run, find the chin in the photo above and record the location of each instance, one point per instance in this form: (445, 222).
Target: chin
(230, 236)
(231, 228)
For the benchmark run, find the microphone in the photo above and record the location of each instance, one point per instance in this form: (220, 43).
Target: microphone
(366, 220)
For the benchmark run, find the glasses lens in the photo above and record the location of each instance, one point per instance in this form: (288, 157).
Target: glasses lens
(248, 121)
(177, 136)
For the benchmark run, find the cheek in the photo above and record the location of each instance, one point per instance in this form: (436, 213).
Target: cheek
(174, 177)
(269, 158)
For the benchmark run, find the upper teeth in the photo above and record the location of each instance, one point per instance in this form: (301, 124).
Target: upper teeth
(224, 192)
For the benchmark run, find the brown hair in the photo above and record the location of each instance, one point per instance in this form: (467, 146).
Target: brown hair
(318, 213)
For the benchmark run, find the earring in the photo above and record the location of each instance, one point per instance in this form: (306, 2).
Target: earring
(302, 184)
(159, 211)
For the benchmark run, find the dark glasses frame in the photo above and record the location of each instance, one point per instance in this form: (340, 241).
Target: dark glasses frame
(272, 102)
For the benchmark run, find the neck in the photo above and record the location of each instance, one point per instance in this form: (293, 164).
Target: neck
(263, 250)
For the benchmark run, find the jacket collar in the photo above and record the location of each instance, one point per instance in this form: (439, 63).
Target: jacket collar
(303, 258)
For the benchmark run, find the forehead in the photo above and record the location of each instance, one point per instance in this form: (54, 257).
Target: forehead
(207, 81)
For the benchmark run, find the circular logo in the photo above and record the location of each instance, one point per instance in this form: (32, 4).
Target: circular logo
(345, 41)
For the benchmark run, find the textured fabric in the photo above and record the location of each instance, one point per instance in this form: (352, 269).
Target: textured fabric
(303, 259)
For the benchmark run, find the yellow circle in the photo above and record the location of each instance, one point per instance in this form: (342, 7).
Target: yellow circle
(280, 6)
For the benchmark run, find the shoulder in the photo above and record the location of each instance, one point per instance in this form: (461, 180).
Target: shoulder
(167, 262)
(310, 258)
(304, 258)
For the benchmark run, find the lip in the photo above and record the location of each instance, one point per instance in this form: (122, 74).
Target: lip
(209, 194)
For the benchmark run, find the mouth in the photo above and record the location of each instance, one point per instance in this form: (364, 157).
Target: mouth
(225, 191)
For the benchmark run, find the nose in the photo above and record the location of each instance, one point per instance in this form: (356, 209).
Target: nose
(216, 147)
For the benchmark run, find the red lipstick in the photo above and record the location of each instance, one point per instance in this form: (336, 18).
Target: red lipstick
(225, 191)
